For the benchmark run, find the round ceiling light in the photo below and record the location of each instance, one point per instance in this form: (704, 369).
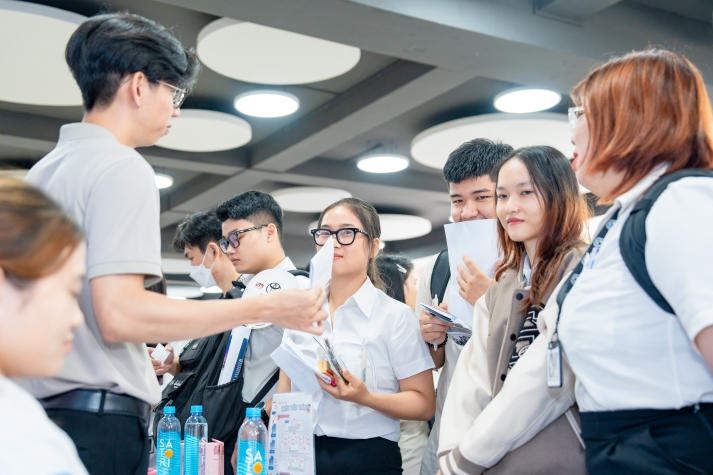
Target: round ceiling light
(383, 163)
(525, 100)
(396, 227)
(308, 199)
(34, 70)
(163, 181)
(266, 103)
(197, 130)
(271, 56)
(432, 146)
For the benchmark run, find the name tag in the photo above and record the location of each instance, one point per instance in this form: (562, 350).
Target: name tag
(554, 365)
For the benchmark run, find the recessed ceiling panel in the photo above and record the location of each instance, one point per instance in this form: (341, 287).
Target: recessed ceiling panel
(197, 130)
(33, 39)
(432, 146)
(264, 55)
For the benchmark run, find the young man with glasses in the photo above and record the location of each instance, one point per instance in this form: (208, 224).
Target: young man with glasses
(133, 75)
(252, 240)
(471, 186)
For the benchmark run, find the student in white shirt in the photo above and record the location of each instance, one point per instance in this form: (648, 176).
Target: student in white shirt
(644, 377)
(42, 256)
(388, 369)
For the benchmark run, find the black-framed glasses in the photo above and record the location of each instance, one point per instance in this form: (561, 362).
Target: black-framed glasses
(573, 115)
(179, 94)
(233, 237)
(345, 236)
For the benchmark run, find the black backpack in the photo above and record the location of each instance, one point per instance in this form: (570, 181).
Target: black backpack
(196, 383)
(633, 234)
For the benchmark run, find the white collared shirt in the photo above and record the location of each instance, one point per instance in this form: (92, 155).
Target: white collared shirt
(626, 352)
(379, 341)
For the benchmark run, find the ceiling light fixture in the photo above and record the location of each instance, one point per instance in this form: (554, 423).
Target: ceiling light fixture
(383, 163)
(308, 199)
(524, 100)
(163, 181)
(266, 103)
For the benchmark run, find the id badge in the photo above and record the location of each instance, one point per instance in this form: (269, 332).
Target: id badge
(554, 365)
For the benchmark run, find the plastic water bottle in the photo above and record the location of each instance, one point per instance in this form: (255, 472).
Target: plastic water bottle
(168, 449)
(252, 440)
(195, 436)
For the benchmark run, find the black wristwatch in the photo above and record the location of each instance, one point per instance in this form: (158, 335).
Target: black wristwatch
(436, 346)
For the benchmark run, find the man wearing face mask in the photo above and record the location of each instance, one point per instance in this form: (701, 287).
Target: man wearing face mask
(197, 238)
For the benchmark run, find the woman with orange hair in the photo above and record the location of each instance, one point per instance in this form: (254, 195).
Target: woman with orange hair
(490, 421)
(42, 258)
(644, 375)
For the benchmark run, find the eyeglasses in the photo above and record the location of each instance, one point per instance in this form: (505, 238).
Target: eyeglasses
(345, 236)
(233, 238)
(573, 114)
(179, 94)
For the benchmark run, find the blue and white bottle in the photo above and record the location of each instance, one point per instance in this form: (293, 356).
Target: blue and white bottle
(168, 443)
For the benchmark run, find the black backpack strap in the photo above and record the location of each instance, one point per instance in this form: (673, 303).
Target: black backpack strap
(265, 389)
(632, 241)
(440, 275)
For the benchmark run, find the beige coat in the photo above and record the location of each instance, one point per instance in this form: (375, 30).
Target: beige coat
(516, 433)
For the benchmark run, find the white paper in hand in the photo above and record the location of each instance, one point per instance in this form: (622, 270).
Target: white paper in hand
(320, 266)
(160, 353)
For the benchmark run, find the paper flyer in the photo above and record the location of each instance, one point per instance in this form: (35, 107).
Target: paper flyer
(477, 239)
(290, 448)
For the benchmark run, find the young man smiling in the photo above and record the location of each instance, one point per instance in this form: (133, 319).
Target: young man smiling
(471, 186)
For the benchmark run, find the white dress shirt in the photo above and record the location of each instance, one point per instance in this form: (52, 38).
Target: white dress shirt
(626, 352)
(379, 341)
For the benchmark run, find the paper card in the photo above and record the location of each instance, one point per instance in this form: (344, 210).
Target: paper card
(320, 266)
(477, 239)
(290, 448)
(160, 353)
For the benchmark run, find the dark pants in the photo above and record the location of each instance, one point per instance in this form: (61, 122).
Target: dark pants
(377, 456)
(654, 442)
(108, 444)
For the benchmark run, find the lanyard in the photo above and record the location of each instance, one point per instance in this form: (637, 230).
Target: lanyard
(554, 350)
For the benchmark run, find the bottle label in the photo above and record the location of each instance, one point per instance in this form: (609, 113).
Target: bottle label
(251, 457)
(191, 445)
(168, 453)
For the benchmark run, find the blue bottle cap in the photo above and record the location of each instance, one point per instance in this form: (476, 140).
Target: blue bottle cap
(252, 412)
(169, 409)
(196, 409)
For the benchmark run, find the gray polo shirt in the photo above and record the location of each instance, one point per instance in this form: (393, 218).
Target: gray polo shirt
(109, 190)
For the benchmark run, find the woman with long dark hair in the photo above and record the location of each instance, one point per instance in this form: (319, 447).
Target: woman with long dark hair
(541, 219)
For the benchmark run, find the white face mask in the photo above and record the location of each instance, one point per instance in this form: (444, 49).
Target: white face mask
(202, 275)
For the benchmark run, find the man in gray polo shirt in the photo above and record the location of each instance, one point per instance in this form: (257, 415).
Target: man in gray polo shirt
(133, 75)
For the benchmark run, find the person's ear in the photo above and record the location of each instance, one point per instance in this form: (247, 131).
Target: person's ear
(375, 243)
(272, 233)
(137, 88)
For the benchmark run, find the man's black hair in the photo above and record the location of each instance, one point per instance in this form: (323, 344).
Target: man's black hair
(106, 48)
(255, 206)
(474, 159)
(197, 230)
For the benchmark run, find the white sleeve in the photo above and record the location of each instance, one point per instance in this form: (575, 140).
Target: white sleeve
(678, 250)
(523, 407)
(470, 388)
